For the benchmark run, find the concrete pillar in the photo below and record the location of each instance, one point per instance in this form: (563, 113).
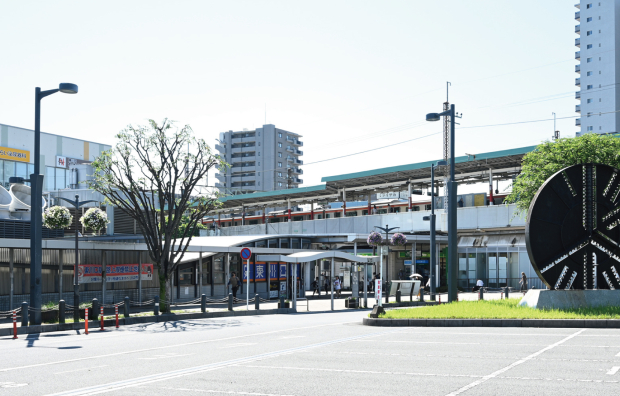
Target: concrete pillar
(289, 209)
(200, 274)
(227, 271)
(409, 199)
(331, 280)
(12, 278)
(491, 186)
(294, 284)
(312, 210)
(242, 215)
(109, 210)
(369, 205)
(344, 203)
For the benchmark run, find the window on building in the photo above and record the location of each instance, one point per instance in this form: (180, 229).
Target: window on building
(279, 184)
(589, 73)
(279, 174)
(279, 164)
(589, 60)
(279, 144)
(589, 33)
(589, 5)
(589, 113)
(589, 87)
(280, 155)
(589, 19)
(280, 135)
(589, 128)
(588, 46)
(589, 101)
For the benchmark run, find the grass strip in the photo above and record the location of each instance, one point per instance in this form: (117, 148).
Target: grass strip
(499, 309)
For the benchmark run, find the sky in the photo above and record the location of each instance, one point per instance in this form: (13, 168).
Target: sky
(349, 76)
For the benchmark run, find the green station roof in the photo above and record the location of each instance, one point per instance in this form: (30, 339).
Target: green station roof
(469, 169)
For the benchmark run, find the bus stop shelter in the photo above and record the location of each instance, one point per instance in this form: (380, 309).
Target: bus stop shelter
(305, 257)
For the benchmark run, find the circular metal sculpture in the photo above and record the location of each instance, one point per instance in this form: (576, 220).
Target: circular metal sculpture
(573, 229)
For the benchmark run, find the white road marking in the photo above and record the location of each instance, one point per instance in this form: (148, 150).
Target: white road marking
(133, 382)
(613, 370)
(289, 337)
(166, 347)
(216, 391)
(10, 385)
(481, 343)
(239, 344)
(82, 369)
(166, 356)
(503, 370)
(618, 355)
(413, 356)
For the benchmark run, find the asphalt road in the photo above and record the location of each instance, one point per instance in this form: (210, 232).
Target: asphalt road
(311, 354)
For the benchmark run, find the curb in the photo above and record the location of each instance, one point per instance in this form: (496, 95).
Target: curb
(546, 323)
(109, 324)
(409, 304)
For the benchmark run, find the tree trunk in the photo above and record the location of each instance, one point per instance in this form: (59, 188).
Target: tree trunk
(163, 293)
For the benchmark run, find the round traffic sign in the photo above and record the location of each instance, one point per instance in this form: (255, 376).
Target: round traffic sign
(246, 253)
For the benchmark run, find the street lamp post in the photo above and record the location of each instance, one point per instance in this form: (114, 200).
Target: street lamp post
(76, 282)
(452, 266)
(36, 186)
(386, 230)
(433, 249)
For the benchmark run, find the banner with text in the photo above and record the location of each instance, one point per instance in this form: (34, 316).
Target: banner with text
(91, 273)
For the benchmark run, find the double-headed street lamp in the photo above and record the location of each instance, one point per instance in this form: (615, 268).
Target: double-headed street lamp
(76, 281)
(432, 220)
(387, 230)
(452, 266)
(36, 186)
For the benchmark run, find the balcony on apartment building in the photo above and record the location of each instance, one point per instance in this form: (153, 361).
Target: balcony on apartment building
(578, 29)
(578, 69)
(578, 42)
(294, 141)
(578, 16)
(578, 95)
(578, 108)
(578, 82)
(578, 55)
(578, 122)
(298, 161)
(220, 148)
(246, 178)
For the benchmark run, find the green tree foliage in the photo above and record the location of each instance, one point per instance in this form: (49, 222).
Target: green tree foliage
(551, 157)
(154, 176)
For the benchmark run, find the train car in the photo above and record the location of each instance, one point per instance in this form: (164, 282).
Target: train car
(381, 206)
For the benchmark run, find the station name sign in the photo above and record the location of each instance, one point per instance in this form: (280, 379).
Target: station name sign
(14, 154)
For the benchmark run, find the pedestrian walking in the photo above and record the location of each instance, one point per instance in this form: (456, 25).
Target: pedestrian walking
(315, 287)
(374, 210)
(337, 286)
(523, 282)
(234, 283)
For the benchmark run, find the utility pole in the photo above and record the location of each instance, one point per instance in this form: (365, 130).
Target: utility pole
(446, 147)
(556, 133)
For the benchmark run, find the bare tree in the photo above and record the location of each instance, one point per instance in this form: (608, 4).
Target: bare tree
(151, 175)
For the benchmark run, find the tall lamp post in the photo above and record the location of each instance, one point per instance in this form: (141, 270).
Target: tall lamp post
(433, 249)
(386, 230)
(76, 281)
(36, 222)
(452, 254)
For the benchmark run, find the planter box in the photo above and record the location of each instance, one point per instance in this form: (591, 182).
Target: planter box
(351, 303)
(285, 305)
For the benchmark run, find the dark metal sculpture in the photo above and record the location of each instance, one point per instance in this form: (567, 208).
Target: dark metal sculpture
(573, 229)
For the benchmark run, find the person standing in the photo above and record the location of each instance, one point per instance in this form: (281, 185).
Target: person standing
(234, 283)
(523, 282)
(315, 287)
(337, 286)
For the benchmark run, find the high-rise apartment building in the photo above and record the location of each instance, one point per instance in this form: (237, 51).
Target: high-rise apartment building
(264, 159)
(599, 66)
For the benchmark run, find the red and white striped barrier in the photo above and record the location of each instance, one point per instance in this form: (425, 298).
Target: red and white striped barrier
(116, 313)
(101, 319)
(439, 298)
(86, 321)
(14, 324)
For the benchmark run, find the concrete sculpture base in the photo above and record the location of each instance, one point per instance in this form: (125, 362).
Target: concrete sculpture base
(570, 299)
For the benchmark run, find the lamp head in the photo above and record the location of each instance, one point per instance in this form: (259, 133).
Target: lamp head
(432, 117)
(68, 88)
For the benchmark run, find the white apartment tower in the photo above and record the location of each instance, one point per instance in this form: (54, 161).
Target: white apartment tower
(264, 159)
(599, 66)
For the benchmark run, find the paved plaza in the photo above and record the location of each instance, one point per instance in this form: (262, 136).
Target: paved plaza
(311, 354)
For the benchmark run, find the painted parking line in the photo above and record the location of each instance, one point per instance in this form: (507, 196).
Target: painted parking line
(613, 370)
(166, 356)
(217, 391)
(166, 347)
(239, 344)
(137, 381)
(515, 364)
